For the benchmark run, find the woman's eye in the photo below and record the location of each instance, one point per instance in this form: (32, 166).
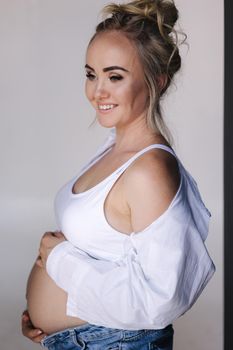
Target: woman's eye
(115, 77)
(90, 76)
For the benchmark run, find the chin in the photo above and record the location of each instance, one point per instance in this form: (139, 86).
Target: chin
(105, 123)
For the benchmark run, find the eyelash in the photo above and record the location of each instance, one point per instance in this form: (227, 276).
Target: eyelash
(90, 76)
(112, 78)
(115, 78)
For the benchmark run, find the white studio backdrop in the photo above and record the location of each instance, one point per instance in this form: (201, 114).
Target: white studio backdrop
(44, 140)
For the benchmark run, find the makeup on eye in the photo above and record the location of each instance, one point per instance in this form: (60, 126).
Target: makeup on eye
(115, 78)
(91, 77)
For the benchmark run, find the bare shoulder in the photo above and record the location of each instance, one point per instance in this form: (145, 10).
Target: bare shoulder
(150, 184)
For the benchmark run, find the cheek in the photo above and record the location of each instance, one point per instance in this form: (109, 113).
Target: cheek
(138, 95)
(125, 93)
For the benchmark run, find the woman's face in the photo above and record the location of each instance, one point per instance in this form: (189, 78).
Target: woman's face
(115, 83)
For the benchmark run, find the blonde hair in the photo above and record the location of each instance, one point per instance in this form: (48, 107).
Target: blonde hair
(149, 24)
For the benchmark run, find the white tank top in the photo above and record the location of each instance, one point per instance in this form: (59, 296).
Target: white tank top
(81, 216)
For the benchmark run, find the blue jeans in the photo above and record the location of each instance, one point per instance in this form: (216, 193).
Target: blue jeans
(101, 338)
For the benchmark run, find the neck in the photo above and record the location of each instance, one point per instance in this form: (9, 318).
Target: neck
(136, 136)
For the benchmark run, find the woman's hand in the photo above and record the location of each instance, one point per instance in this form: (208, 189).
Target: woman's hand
(28, 330)
(47, 243)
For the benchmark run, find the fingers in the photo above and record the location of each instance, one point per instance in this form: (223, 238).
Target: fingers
(47, 236)
(37, 339)
(25, 313)
(51, 239)
(53, 233)
(34, 334)
(48, 241)
(58, 234)
(39, 262)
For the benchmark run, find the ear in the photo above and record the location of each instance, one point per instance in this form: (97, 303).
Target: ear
(162, 82)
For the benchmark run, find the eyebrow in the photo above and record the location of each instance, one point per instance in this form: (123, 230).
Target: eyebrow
(107, 69)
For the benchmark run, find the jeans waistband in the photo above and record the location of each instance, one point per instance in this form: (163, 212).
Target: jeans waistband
(90, 332)
(61, 334)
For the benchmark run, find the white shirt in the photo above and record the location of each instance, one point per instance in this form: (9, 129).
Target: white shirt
(144, 280)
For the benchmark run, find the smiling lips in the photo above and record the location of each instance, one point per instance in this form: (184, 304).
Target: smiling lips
(106, 107)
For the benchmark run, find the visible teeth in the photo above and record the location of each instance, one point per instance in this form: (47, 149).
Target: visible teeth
(106, 106)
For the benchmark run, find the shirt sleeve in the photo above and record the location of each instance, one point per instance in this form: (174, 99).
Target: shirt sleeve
(157, 280)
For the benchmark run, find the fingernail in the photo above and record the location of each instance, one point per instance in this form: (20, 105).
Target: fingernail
(39, 332)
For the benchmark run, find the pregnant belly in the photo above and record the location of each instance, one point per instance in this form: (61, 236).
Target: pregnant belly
(46, 303)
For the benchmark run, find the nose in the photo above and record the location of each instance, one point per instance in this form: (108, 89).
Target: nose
(101, 92)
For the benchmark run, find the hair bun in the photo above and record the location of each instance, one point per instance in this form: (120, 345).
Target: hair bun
(162, 12)
(167, 13)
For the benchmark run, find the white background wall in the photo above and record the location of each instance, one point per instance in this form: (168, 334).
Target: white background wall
(44, 139)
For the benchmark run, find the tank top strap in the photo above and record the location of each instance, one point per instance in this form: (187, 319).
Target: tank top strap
(108, 183)
(144, 150)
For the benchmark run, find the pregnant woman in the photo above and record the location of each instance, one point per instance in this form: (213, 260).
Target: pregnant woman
(129, 257)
